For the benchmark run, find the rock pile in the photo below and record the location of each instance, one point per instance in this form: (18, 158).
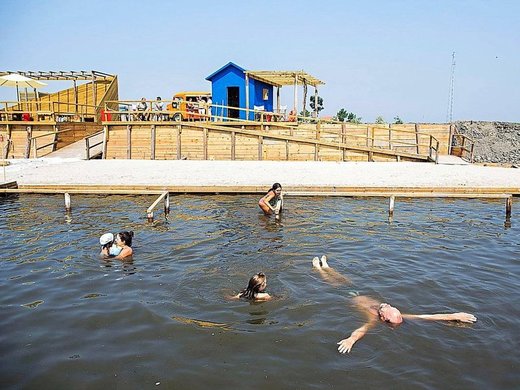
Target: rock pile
(495, 142)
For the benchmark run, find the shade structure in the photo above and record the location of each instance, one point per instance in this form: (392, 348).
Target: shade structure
(17, 80)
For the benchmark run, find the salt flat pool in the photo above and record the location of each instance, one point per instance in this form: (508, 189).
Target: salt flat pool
(72, 320)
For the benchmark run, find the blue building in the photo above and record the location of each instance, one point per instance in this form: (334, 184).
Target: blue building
(233, 86)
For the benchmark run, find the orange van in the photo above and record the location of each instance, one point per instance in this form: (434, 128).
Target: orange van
(189, 106)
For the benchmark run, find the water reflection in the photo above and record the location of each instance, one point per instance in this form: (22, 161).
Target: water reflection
(435, 254)
(127, 265)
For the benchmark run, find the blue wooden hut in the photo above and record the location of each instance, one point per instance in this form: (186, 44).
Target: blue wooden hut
(252, 91)
(232, 86)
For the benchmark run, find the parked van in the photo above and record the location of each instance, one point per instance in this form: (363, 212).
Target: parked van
(189, 106)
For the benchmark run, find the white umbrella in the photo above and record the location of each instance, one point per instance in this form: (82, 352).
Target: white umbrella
(17, 80)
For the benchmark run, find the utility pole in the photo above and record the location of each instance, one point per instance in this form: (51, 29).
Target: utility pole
(449, 114)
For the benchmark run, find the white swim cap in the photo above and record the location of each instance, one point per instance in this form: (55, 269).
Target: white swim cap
(106, 238)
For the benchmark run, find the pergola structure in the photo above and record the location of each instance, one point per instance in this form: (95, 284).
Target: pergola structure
(74, 76)
(286, 77)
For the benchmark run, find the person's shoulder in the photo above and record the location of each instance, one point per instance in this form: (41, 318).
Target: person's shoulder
(262, 297)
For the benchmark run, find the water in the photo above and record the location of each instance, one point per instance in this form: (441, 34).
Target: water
(71, 320)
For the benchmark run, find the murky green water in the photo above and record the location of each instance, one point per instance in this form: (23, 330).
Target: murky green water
(71, 320)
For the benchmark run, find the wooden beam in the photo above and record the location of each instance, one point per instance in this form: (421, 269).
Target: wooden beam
(247, 96)
(205, 143)
(129, 141)
(179, 151)
(153, 142)
(233, 145)
(404, 192)
(260, 148)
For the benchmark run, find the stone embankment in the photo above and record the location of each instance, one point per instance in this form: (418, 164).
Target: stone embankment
(495, 142)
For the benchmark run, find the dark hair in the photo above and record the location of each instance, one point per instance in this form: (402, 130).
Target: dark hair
(126, 237)
(253, 286)
(275, 186)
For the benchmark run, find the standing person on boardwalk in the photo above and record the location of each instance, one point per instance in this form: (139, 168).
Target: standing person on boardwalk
(272, 202)
(142, 107)
(158, 107)
(376, 311)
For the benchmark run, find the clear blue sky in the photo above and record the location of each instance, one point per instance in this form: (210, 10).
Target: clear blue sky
(376, 57)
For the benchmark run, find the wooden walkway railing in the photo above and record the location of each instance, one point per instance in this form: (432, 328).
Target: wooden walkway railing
(342, 145)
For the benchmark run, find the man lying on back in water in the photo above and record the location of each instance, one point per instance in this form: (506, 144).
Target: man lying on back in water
(375, 310)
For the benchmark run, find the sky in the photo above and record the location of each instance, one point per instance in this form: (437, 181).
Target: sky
(377, 58)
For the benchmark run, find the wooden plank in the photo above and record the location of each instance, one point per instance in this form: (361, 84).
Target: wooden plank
(152, 143)
(129, 141)
(477, 193)
(260, 148)
(233, 145)
(179, 130)
(205, 146)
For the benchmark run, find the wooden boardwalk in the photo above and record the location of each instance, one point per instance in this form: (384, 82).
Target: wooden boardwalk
(297, 177)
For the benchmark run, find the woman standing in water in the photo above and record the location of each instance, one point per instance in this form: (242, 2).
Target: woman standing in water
(255, 290)
(272, 202)
(124, 241)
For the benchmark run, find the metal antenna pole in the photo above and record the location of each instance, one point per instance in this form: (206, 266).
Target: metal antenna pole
(449, 114)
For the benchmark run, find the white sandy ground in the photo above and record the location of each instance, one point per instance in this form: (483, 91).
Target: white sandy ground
(72, 171)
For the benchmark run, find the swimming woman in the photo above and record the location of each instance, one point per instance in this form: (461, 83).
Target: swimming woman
(255, 290)
(272, 202)
(124, 241)
(376, 311)
(108, 246)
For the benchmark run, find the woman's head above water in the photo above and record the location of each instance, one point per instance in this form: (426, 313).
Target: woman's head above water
(275, 187)
(124, 238)
(256, 285)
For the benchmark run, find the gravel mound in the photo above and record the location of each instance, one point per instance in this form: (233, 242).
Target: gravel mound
(495, 142)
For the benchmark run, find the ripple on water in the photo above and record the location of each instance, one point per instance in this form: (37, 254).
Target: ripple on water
(166, 316)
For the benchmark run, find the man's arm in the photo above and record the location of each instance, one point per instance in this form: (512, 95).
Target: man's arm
(462, 317)
(364, 304)
(346, 345)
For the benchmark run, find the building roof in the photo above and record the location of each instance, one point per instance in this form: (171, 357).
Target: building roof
(229, 64)
(63, 75)
(273, 77)
(284, 77)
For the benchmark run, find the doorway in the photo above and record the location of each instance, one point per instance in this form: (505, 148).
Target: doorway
(233, 100)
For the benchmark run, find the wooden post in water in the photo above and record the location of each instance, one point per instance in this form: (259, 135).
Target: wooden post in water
(509, 206)
(149, 216)
(68, 207)
(167, 204)
(391, 207)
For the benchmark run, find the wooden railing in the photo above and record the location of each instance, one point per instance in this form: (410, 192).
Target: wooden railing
(369, 142)
(340, 143)
(44, 111)
(89, 145)
(463, 147)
